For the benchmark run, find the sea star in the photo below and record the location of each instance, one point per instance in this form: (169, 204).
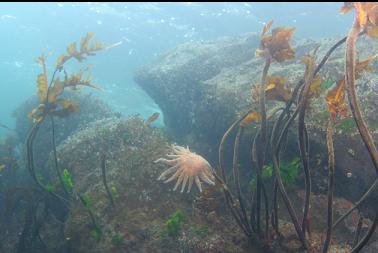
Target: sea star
(187, 167)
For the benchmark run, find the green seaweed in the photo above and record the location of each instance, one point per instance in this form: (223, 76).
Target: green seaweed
(39, 177)
(118, 240)
(96, 233)
(67, 179)
(200, 231)
(289, 172)
(266, 173)
(346, 125)
(114, 192)
(87, 201)
(326, 85)
(173, 225)
(50, 187)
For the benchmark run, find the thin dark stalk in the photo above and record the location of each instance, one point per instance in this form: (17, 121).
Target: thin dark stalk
(273, 138)
(29, 152)
(237, 180)
(276, 166)
(330, 51)
(252, 212)
(358, 203)
(367, 236)
(350, 77)
(30, 161)
(56, 157)
(222, 143)
(103, 170)
(259, 188)
(231, 204)
(48, 88)
(260, 158)
(300, 109)
(358, 231)
(354, 107)
(303, 141)
(257, 159)
(275, 208)
(263, 136)
(89, 210)
(331, 185)
(266, 203)
(288, 203)
(222, 180)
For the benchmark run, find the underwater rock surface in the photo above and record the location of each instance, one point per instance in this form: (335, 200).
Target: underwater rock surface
(202, 87)
(143, 206)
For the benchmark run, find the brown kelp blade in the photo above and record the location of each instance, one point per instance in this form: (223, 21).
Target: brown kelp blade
(335, 99)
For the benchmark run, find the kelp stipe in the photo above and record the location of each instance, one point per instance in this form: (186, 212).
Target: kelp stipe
(366, 20)
(104, 180)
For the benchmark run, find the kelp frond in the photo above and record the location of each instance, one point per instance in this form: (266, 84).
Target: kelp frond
(335, 99)
(277, 45)
(77, 79)
(275, 89)
(366, 16)
(335, 96)
(42, 79)
(66, 107)
(364, 65)
(49, 93)
(251, 117)
(315, 88)
(85, 50)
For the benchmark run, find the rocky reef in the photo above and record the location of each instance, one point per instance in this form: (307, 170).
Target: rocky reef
(94, 183)
(147, 216)
(203, 87)
(143, 208)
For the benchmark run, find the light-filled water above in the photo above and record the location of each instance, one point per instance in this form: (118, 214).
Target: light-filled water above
(146, 30)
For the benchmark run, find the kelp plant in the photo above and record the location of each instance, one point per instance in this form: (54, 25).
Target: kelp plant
(53, 104)
(275, 47)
